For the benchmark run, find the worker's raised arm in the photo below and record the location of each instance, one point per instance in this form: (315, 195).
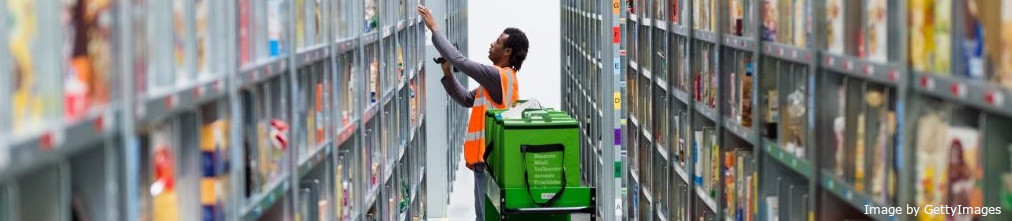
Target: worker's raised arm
(486, 75)
(458, 93)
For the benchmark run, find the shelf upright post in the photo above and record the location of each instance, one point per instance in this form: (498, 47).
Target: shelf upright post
(439, 129)
(233, 210)
(609, 203)
(294, 102)
(816, 47)
(689, 25)
(131, 151)
(906, 110)
(718, 121)
(5, 113)
(362, 185)
(755, 132)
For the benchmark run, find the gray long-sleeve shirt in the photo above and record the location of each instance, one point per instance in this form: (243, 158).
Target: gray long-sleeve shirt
(486, 75)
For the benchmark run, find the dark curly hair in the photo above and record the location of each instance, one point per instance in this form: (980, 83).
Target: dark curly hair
(517, 41)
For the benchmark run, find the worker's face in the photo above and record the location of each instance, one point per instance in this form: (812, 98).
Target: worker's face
(498, 49)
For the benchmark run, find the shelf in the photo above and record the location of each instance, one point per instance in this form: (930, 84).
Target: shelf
(661, 24)
(634, 173)
(632, 118)
(260, 71)
(800, 166)
(706, 111)
(188, 97)
(313, 54)
(861, 68)
(646, 73)
(680, 29)
(978, 94)
(846, 192)
(257, 205)
(646, 134)
(705, 35)
(309, 162)
(739, 42)
(346, 45)
(49, 146)
(662, 84)
(663, 151)
(388, 30)
(370, 112)
(345, 133)
(661, 213)
(742, 132)
(787, 52)
(705, 197)
(370, 37)
(680, 172)
(646, 192)
(633, 65)
(400, 25)
(681, 95)
(370, 199)
(387, 96)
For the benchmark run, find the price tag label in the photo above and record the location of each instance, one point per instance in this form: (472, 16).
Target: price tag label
(994, 98)
(616, 34)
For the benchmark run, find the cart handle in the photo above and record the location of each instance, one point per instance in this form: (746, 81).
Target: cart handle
(524, 149)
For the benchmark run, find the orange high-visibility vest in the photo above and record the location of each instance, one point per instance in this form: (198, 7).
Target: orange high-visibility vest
(474, 139)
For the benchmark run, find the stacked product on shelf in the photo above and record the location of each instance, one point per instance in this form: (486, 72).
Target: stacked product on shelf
(208, 110)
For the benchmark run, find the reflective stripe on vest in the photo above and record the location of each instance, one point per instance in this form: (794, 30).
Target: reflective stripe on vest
(474, 139)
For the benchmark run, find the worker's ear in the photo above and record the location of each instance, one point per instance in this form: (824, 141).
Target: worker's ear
(508, 52)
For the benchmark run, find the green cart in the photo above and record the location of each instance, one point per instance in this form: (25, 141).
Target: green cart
(534, 167)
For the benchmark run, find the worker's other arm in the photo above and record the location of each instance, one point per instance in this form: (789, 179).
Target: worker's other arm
(486, 75)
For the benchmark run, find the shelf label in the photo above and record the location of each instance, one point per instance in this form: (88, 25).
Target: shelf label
(994, 98)
(958, 90)
(199, 91)
(869, 69)
(615, 5)
(830, 61)
(927, 83)
(616, 34)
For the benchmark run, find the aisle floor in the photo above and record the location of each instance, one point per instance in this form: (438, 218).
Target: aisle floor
(462, 198)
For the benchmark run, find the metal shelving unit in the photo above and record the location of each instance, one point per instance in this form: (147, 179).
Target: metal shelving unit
(218, 110)
(769, 82)
(591, 70)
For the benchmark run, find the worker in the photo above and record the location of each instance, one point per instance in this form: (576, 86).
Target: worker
(498, 90)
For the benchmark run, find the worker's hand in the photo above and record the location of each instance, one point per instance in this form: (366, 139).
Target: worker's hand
(427, 17)
(446, 68)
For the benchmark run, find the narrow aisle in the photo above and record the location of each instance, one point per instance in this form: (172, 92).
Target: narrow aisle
(462, 198)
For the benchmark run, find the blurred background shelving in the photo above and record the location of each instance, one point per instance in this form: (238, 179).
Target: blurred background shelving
(798, 109)
(220, 110)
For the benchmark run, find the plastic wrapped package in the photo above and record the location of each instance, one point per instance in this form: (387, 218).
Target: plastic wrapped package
(943, 37)
(931, 155)
(87, 56)
(164, 200)
(1003, 74)
(277, 43)
(34, 99)
(877, 46)
(246, 30)
(300, 24)
(203, 36)
(835, 27)
(180, 40)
